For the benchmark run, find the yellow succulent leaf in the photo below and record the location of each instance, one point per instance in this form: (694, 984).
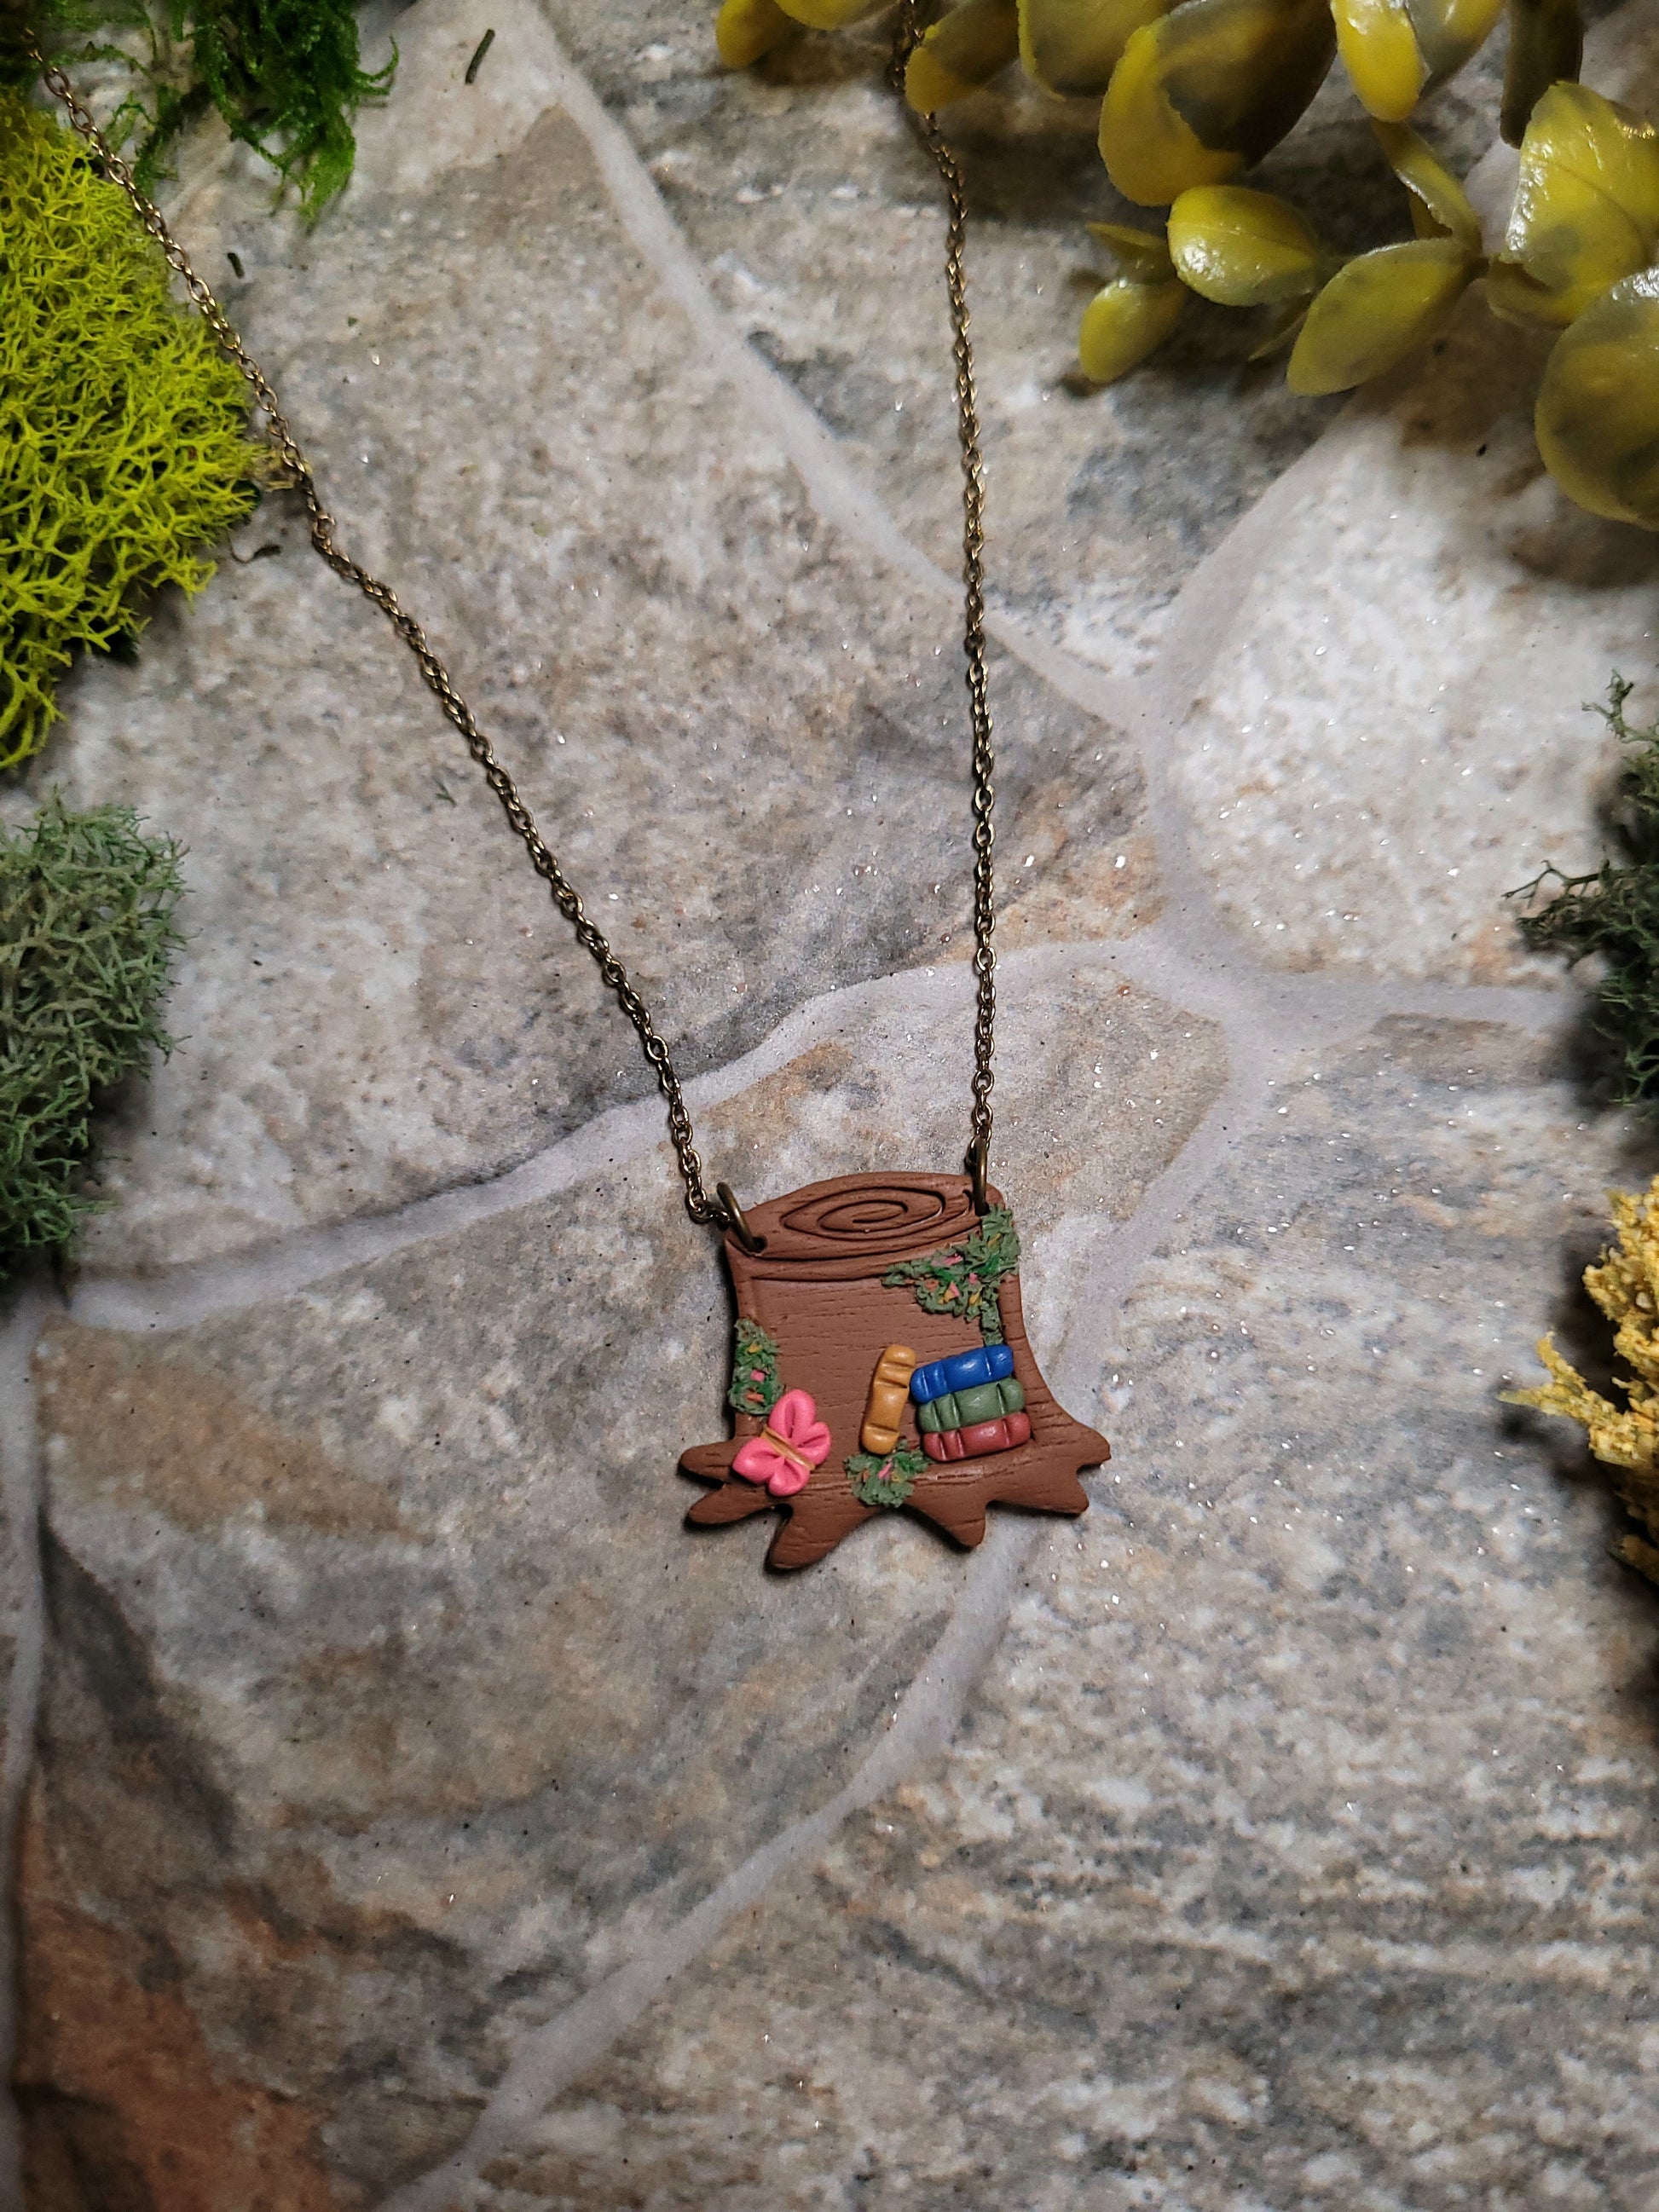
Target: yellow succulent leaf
(828, 15)
(1072, 46)
(1449, 31)
(1208, 89)
(1514, 297)
(1442, 201)
(1380, 54)
(1597, 417)
(1241, 247)
(1375, 310)
(1397, 49)
(1121, 325)
(1152, 153)
(746, 30)
(1142, 254)
(962, 51)
(1586, 208)
(1546, 44)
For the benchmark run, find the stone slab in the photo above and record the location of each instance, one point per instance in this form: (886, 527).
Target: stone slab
(745, 737)
(1296, 1850)
(1387, 735)
(820, 222)
(1391, 735)
(390, 1704)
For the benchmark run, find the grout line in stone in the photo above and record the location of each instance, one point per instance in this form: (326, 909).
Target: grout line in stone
(195, 1291)
(1112, 1269)
(32, 1304)
(1150, 710)
(840, 496)
(552, 2057)
(836, 491)
(1296, 1011)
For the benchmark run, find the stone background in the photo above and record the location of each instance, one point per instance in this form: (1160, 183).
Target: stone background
(414, 1817)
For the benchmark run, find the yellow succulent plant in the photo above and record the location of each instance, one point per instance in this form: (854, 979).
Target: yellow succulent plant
(962, 51)
(1397, 49)
(1624, 1285)
(1122, 324)
(1194, 94)
(1191, 91)
(1578, 255)
(1351, 319)
(1586, 208)
(1071, 47)
(1597, 417)
(1208, 89)
(746, 30)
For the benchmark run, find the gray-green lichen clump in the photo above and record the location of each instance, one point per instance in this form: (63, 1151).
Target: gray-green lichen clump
(1614, 915)
(87, 936)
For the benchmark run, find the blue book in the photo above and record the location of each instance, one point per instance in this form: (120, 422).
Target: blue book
(963, 1371)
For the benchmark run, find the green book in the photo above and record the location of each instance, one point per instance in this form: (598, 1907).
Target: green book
(961, 1409)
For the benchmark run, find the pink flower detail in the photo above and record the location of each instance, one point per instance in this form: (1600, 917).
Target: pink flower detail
(783, 1456)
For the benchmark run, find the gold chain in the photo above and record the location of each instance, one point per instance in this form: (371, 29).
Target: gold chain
(721, 1209)
(906, 36)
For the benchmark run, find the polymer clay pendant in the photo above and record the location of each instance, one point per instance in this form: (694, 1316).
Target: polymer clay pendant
(879, 1360)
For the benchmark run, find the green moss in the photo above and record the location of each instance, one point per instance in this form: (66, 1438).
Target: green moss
(964, 1278)
(756, 1386)
(87, 908)
(124, 440)
(285, 75)
(1614, 914)
(884, 1481)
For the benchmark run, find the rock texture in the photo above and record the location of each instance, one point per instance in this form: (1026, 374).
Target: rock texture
(1183, 1920)
(746, 742)
(421, 1818)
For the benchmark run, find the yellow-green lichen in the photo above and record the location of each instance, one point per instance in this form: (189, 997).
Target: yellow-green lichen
(123, 438)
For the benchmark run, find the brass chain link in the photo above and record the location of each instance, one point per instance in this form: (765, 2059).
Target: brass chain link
(722, 1209)
(906, 36)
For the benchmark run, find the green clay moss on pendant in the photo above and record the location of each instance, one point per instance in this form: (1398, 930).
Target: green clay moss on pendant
(880, 1360)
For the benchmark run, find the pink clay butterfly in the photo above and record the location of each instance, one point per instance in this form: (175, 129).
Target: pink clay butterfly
(793, 1442)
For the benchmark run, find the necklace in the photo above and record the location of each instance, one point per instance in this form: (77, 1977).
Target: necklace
(879, 1354)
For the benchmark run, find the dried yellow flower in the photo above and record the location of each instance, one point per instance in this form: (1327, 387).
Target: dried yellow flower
(1625, 1284)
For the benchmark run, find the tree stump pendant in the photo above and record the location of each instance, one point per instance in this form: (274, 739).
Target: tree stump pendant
(880, 1361)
